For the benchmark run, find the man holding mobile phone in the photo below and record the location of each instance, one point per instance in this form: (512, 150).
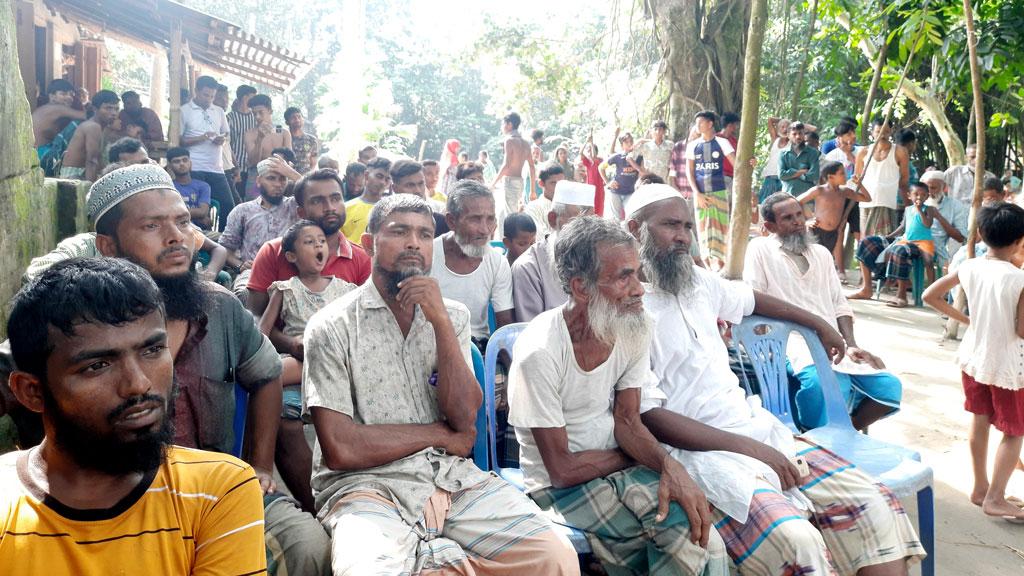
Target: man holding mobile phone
(204, 128)
(261, 141)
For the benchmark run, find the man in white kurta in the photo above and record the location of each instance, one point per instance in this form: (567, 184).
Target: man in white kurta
(773, 517)
(790, 267)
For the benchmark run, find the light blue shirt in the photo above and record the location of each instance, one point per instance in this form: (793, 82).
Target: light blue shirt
(955, 212)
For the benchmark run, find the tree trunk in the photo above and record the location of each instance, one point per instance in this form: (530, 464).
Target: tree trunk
(702, 44)
(784, 56)
(876, 79)
(929, 103)
(739, 222)
(952, 326)
(795, 108)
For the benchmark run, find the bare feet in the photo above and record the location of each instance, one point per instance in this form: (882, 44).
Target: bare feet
(1003, 509)
(978, 495)
(897, 303)
(860, 295)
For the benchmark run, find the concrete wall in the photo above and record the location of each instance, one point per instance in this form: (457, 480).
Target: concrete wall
(34, 215)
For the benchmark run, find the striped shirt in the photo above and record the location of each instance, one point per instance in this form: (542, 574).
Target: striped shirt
(198, 513)
(239, 124)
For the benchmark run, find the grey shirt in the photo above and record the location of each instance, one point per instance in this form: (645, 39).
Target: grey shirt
(535, 284)
(358, 363)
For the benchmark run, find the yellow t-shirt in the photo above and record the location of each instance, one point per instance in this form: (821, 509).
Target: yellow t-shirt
(199, 513)
(357, 214)
(439, 197)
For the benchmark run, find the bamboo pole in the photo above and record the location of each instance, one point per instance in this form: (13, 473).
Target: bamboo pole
(739, 223)
(174, 125)
(952, 326)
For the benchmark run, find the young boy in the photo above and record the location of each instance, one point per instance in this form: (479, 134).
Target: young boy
(829, 200)
(520, 232)
(990, 356)
(917, 240)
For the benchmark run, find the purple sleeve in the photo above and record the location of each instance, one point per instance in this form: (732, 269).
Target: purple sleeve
(204, 192)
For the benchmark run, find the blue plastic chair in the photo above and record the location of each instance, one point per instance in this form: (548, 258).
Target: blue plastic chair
(241, 413)
(480, 446)
(503, 339)
(898, 468)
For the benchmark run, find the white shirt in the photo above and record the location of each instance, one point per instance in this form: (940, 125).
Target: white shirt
(991, 352)
(548, 389)
(960, 180)
(767, 269)
(691, 365)
(656, 158)
(882, 179)
(771, 168)
(195, 121)
(490, 283)
(538, 210)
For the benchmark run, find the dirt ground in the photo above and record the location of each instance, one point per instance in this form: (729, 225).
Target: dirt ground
(933, 420)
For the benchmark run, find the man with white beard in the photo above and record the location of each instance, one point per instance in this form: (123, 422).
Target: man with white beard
(574, 397)
(535, 284)
(788, 265)
(467, 269)
(773, 517)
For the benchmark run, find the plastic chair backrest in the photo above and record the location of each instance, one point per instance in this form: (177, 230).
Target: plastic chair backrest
(480, 446)
(241, 413)
(502, 339)
(764, 339)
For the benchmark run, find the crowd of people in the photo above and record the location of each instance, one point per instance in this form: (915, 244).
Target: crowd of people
(252, 305)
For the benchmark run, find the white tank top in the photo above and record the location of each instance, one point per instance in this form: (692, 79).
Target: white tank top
(772, 168)
(882, 179)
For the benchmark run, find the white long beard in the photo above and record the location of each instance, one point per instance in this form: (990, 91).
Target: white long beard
(668, 270)
(631, 330)
(797, 242)
(469, 249)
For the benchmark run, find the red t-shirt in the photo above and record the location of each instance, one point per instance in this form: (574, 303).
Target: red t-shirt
(350, 263)
(594, 178)
(727, 166)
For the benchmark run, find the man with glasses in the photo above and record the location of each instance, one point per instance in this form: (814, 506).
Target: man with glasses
(204, 129)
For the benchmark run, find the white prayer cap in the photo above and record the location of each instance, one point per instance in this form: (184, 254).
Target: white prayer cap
(574, 193)
(649, 194)
(933, 175)
(122, 184)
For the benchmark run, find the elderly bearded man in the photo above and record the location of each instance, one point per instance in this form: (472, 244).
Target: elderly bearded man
(834, 520)
(574, 396)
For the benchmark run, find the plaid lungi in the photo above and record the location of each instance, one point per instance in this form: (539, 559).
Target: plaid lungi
(617, 513)
(486, 528)
(714, 224)
(878, 221)
(855, 522)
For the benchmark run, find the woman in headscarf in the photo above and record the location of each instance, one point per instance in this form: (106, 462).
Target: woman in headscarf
(449, 164)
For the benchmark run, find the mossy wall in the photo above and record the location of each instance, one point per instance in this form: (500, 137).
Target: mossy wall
(34, 215)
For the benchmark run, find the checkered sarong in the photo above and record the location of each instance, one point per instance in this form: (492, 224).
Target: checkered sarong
(617, 513)
(855, 522)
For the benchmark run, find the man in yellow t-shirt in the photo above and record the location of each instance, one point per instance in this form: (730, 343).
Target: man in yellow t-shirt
(105, 492)
(357, 210)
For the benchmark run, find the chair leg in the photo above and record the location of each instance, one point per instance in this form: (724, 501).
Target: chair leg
(926, 528)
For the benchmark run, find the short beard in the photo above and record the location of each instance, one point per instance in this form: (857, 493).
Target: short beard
(612, 327)
(797, 242)
(667, 269)
(469, 249)
(329, 229)
(273, 200)
(185, 296)
(105, 452)
(393, 278)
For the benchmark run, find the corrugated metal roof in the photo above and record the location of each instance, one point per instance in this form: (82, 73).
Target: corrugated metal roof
(213, 42)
